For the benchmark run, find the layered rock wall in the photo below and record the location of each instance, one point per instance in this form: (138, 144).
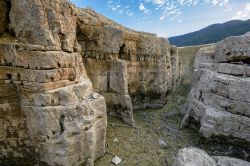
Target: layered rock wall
(220, 94)
(49, 73)
(133, 70)
(49, 113)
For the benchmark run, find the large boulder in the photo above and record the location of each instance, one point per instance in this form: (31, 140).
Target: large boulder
(220, 98)
(193, 157)
(197, 157)
(228, 161)
(233, 49)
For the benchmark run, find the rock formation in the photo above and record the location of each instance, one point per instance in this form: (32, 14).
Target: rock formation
(50, 70)
(196, 157)
(133, 70)
(220, 96)
(49, 113)
(177, 68)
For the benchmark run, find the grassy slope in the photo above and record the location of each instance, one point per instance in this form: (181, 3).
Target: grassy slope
(212, 33)
(187, 56)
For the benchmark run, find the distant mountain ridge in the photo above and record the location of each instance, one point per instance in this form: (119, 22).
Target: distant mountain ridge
(212, 33)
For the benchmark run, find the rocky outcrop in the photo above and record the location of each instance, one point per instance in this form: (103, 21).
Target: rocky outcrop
(228, 161)
(220, 96)
(194, 157)
(51, 73)
(50, 24)
(50, 114)
(131, 69)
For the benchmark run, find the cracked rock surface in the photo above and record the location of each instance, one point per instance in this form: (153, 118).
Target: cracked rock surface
(49, 113)
(197, 157)
(61, 71)
(133, 70)
(220, 96)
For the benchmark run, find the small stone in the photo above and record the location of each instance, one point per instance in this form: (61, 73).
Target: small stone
(116, 160)
(162, 143)
(115, 140)
(95, 95)
(158, 152)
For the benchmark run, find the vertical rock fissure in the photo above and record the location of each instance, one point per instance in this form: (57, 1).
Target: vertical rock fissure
(5, 6)
(61, 122)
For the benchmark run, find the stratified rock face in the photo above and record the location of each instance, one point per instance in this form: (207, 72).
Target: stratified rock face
(45, 23)
(131, 69)
(49, 113)
(197, 157)
(220, 96)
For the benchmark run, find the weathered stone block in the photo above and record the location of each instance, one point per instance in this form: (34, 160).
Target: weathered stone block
(219, 98)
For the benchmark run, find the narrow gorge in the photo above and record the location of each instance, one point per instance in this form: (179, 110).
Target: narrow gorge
(66, 71)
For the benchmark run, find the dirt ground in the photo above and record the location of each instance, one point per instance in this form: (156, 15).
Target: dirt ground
(139, 146)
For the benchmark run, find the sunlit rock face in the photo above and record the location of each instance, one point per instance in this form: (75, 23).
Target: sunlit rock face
(50, 114)
(220, 96)
(194, 157)
(133, 70)
(54, 68)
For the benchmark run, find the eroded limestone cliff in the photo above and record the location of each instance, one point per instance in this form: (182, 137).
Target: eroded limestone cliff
(50, 70)
(49, 113)
(220, 96)
(131, 69)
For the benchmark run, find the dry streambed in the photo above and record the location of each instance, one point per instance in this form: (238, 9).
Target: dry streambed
(141, 145)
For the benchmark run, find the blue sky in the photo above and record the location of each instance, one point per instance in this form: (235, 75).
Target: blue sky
(169, 18)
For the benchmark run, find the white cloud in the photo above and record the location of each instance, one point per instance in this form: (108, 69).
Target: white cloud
(171, 9)
(168, 9)
(219, 2)
(159, 2)
(142, 7)
(244, 14)
(118, 8)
